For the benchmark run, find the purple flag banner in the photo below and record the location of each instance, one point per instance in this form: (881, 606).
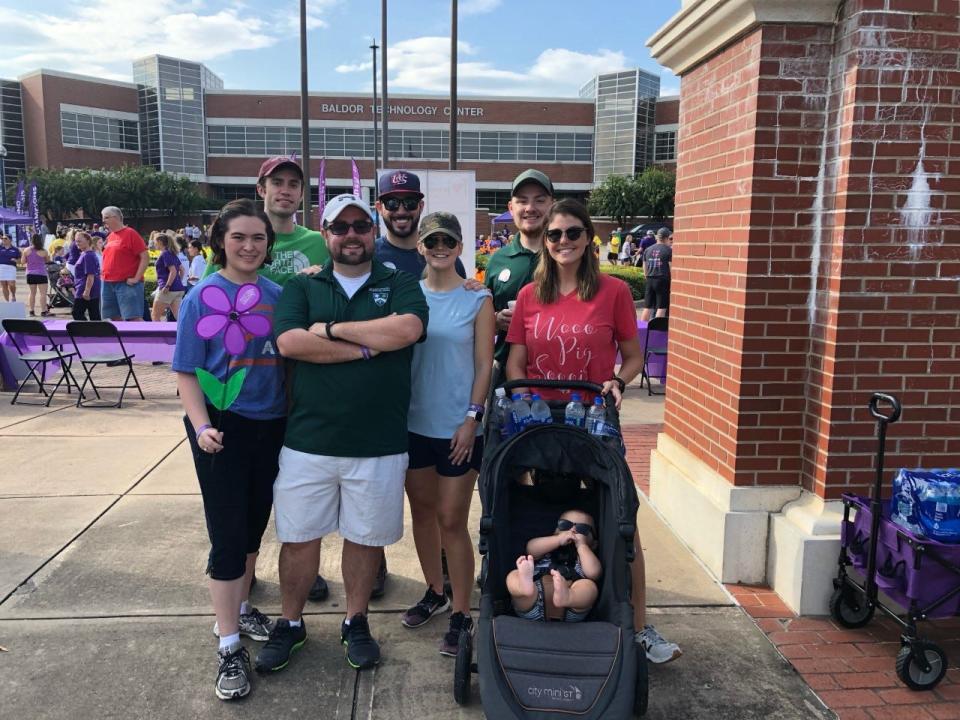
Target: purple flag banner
(356, 178)
(35, 205)
(18, 206)
(322, 194)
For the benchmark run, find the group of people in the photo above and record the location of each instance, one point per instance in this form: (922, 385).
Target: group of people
(368, 362)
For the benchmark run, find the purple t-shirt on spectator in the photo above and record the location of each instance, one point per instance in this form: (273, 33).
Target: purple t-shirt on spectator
(73, 254)
(9, 255)
(167, 260)
(87, 264)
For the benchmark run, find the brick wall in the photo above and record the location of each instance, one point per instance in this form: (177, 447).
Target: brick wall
(818, 199)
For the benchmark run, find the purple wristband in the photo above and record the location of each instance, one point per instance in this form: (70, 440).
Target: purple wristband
(202, 428)
(365, 351)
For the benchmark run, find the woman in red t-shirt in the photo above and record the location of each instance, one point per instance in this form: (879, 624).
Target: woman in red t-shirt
(569, 324)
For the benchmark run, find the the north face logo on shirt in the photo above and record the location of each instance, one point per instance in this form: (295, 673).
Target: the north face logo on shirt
(380, 295)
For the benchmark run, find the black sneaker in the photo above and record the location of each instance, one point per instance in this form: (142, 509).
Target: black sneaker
(320, 591)
(284, 640)
(451, 641)
(379, 585)
(233, 676)
(431, 604)
(362, 650)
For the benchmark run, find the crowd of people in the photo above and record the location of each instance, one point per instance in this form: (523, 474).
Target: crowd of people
(368, 382)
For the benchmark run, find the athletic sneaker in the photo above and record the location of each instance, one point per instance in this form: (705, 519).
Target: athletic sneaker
(420, 613)
(233, 677)
(319, 591)
(254, 624)
(659, 650)
(362, 650)
(380, 582)
(451, 641)
(284, 640)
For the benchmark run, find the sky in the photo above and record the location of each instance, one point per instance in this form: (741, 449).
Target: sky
(505, 47)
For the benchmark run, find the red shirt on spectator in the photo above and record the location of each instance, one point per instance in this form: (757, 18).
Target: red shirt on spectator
(121, 256)
(571, 339)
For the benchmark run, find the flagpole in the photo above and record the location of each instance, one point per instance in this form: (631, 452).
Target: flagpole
(384, 107)
(305, 116)
(376, 149)
(453, 85)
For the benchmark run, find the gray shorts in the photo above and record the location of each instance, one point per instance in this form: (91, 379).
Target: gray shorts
(360, 498)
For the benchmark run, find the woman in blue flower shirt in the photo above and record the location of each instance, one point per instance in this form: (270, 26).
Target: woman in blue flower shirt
(235, 450)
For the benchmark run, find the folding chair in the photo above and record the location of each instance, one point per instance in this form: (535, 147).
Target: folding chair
(90, 358)
(34, 359)
(660, 324)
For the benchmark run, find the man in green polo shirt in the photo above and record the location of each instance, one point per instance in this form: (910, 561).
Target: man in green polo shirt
(350, 330)
(511, 267)
(281, 185)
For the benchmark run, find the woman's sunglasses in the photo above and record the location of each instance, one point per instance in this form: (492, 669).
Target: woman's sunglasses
(393, 204)
(578, 528)
(431, 242)
(572, 233)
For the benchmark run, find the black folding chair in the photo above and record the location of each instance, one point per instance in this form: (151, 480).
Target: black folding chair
(35, 359)
(660, 324)
(91, 357)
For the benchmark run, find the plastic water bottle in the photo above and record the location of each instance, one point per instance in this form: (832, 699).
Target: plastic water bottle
(596, 417)
(904, 510)
(540, 412)
(519, 413)
(502, 407)
(575, 414)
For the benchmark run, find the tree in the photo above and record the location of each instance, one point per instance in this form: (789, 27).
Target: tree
(656, 189)
(616, 197)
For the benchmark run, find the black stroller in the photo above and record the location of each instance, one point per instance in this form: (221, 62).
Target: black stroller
(59, 286)
(529, 669)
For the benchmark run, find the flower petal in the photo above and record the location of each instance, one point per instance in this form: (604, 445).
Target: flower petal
(234, 340)
(216, 299)
(210, 325)
(256, 325)
(247, 298)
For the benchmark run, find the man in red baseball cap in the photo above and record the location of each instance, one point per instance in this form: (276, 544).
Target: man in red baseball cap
(280, 183)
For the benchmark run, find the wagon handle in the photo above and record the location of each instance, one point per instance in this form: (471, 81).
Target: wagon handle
(889, 399)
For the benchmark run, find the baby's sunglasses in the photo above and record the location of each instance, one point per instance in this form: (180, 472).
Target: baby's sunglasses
(430, 242)
(393, 204)
(578, 528)
(573, 233)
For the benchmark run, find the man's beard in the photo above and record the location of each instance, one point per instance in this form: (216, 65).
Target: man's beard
(414, 224)
(344, 259)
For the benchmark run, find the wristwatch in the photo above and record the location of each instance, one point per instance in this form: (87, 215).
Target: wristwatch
(475, 412)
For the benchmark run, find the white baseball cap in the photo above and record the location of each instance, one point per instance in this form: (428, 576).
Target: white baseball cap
(340, 203)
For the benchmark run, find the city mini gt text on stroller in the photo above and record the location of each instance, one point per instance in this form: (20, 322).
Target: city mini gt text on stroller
(532, 669)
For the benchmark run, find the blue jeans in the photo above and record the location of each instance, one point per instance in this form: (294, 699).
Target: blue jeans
(119, 300)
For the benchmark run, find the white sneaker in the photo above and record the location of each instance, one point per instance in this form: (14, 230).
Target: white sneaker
(658, 649)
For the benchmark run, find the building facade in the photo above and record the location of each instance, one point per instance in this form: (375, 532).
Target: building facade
(176, 116)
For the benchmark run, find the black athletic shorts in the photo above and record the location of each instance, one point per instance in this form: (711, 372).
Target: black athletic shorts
(37, 280)
(237, 488)
(657, 293)
(427, 452)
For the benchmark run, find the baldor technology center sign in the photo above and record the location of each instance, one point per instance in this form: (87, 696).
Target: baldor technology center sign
(408, 110)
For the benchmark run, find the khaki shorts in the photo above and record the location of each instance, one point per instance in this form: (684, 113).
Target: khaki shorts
(169, 297)
(361, 498)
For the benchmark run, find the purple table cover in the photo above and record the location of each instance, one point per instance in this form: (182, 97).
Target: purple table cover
(148, 341)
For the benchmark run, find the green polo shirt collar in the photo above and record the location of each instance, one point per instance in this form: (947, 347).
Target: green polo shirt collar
(517, 248)
(378, 271)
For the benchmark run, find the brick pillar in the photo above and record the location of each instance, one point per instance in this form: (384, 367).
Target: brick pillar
(817, 260)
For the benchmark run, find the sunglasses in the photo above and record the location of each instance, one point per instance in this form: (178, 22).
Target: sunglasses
(393, 204)
(578, 528)
(360, 227)
(448, 242)
(572, 233)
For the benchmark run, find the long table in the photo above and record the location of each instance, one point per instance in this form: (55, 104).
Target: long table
(148, 341)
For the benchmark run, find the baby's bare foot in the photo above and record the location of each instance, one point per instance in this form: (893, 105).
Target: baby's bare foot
(525, 571)
(561, 591)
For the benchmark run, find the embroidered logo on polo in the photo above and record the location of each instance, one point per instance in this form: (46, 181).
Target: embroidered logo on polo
(380, 295)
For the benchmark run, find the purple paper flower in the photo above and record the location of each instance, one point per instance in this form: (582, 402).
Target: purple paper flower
(234, 316)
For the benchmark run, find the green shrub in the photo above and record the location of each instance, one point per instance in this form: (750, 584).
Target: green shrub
(633, 276)
(481, 261)
(149, 286)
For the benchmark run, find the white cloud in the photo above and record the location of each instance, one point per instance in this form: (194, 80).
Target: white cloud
(478, 7)
(356, 67)
(423, 64)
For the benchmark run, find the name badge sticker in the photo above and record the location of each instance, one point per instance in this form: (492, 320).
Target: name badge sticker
(504, 275)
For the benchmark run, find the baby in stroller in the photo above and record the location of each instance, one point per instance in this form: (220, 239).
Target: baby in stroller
(557, 579)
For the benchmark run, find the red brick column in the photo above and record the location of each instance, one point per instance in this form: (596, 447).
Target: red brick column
(817, 250)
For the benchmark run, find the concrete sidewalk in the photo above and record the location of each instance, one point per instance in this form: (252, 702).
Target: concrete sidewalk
(104, 611)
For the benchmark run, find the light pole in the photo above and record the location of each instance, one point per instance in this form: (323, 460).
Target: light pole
(305, 116)
(376, 151)
(3, 176)
(384, 107)
(453, 85)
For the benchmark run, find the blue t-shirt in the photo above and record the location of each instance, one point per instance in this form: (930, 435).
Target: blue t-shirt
(409, 261)
(443, 364)
(262, 396)
(87, 264)
(9, 255)
(167, 260)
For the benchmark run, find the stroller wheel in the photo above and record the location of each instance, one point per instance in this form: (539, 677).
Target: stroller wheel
(461, 672)
(921, 665)
(642, 689)
(849, 607)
